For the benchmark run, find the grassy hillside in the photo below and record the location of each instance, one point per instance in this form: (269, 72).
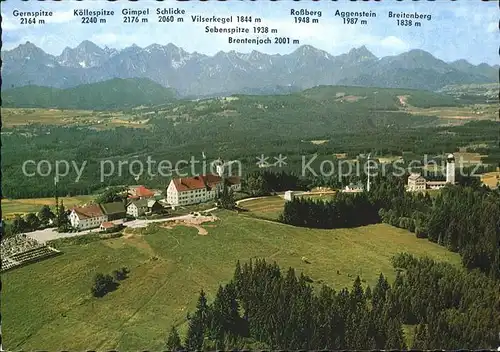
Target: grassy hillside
(112, 94)
(168, 267)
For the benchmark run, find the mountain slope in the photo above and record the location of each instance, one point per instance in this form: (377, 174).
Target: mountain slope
(313, 112)
(112, 94)
(196, 74)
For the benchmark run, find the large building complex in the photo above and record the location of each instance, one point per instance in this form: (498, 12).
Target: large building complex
(198, 189)
(417, 182)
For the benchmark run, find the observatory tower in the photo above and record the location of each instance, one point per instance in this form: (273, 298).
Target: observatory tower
(450, 169)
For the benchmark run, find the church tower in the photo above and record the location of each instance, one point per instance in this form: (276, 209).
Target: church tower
(220, 168)
(450, 169)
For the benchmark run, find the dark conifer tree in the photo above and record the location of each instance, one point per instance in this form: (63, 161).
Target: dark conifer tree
(357, 294)
(395, 336)
(173, 340)
(195, 334)
(421, 338)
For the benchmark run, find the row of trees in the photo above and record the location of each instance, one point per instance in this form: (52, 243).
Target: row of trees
(345, 210)
(42, 219)
(262, 308)
(260, 183)
(112, 194)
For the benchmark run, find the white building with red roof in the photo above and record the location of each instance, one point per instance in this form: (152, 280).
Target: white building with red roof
(88, 217)
(198, 189)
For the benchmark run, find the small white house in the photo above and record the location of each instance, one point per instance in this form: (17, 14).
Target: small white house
(137, 208)
(289, 196)
(142, 206)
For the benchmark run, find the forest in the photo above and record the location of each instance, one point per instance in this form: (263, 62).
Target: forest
(106, 95)
(167, 141)
(350, 120)
(265, 308)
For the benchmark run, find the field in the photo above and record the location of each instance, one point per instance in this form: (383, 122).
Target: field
(270, 208)
(491, 179)
(266, 208)
(11, 207)
(47, 305)
(98, 120)
(463, 158)
(457, 115)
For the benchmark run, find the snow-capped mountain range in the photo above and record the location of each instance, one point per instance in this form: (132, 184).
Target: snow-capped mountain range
(233, 72)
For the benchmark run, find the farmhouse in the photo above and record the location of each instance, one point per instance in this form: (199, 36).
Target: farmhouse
(88, 217)
(92, 216)
(197, 189)
(140, 207)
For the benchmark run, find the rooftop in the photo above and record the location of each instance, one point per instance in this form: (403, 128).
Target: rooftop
(415, 176)
(113, 208)
(142, 192)
(88, 212)
(201, 182)
(140, 203)
(107, 225)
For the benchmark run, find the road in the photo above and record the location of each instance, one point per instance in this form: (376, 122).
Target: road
(51, 233)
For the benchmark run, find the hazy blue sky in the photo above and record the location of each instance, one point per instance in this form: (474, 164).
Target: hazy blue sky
(464, 29)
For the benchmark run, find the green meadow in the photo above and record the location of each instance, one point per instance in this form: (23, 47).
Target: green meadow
(48, 305)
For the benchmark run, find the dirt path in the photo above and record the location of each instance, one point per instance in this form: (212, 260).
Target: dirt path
(192, 221)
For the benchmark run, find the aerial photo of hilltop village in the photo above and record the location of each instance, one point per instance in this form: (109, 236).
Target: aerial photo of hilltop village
(201, 176)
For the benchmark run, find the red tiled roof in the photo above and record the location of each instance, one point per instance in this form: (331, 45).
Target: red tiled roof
(212, 180)
(142, 191)
(90, 211)
(200, 182)
(189, 183)
(107, 225)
